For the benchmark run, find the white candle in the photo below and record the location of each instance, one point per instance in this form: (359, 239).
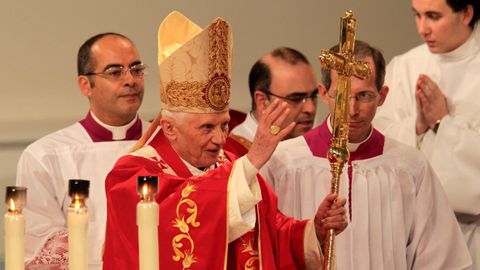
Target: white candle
(77, 238)
(14, 240)
(77, 220)
(147, 222)
(14, 226)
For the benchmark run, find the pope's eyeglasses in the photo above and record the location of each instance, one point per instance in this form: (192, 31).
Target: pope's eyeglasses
(118, 73)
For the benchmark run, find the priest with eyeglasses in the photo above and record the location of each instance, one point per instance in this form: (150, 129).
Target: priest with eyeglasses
(399, 216)
(110, 76)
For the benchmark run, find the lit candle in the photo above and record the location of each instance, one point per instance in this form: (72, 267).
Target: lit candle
(15, 228)
(78, 225)
(147, 222)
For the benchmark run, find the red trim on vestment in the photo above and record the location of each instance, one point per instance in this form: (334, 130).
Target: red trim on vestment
(168, 154)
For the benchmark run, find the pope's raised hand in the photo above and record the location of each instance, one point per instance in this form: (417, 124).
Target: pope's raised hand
(270, 131)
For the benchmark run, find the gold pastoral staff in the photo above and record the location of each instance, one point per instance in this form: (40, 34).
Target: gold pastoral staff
(344, 64)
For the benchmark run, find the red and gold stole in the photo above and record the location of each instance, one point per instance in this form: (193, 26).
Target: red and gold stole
(193, 213)
(242, 253)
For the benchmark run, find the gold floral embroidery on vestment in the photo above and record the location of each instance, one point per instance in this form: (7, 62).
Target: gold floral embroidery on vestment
(187, 190)
(250, 264)
(248, 247)
(183, 244)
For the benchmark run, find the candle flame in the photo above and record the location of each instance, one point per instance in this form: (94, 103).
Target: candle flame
(145, 190)
(11, 205)
(77, 203)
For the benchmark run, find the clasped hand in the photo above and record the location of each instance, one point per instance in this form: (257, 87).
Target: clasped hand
(430, 102)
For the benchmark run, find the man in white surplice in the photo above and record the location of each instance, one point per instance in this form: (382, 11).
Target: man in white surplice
(434, 104)
(399, 217)
(110, 75)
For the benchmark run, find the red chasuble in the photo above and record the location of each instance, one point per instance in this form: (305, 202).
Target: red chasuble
(237, 145)
(193, 227)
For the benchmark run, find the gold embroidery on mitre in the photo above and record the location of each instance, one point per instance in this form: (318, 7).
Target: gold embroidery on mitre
(219, 49)
(183, 94)
(218, 92)
(212, 94)
(218, 87)
(183, 244)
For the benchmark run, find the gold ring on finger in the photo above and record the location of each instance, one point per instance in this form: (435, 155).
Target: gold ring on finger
(274, 129)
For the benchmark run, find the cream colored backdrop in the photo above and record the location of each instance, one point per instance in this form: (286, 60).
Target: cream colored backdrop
(40, 39)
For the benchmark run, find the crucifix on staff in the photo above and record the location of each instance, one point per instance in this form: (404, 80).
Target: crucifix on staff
(346, 66)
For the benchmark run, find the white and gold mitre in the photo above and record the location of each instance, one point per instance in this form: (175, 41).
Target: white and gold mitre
(195, 65)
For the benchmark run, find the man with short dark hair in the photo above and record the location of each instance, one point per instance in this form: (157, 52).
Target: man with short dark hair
(110, 75)
(397, 209)
(284, 74)
(434, 104)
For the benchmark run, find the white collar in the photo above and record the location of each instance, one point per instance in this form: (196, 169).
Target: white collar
(467, 49)
(118, 133)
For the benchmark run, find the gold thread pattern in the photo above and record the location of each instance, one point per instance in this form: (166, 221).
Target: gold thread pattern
(213, 93)
(241, 140)
(183, 244)
(184, 94)
(247, 247)
(218, 48)
(218, 88)
(250, 264)
(217, 92)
